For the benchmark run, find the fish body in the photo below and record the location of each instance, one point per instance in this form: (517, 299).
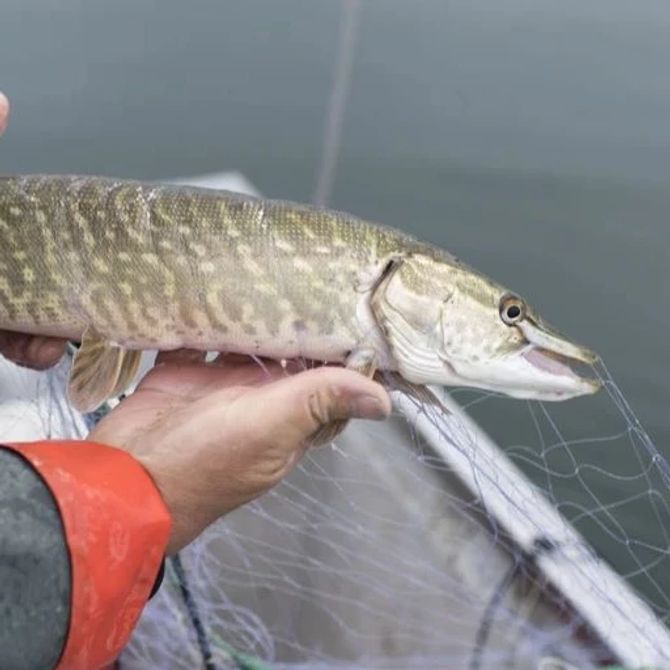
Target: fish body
(172, 266)
(124, 266)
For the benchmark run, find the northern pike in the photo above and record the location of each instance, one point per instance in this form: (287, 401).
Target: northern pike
(125, 266)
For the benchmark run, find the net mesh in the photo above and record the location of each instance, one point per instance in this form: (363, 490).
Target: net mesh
(382, 551)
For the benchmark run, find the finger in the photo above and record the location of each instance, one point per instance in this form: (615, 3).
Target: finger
(4, 112)
(252, 370)
(184, 374)
(31, 351)
(296, 407)
(45, 352)
(291, 365)
(181, 357)
(187, 381)
(12, 344)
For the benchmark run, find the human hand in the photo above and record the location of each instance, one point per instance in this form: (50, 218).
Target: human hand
(31, 351)
(27, 350)
(215, 436)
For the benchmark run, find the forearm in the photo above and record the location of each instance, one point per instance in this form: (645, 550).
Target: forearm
(113, 529)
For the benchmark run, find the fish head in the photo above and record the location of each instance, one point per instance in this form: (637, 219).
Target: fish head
(450, 325)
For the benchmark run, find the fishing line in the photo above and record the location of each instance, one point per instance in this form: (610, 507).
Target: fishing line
(343, 71)
(502, 589)
(194, 615)
(488, 617)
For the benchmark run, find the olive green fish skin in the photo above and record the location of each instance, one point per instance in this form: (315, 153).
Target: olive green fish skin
(158, 266)
(147, 266)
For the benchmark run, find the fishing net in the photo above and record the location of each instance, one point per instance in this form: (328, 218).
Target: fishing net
(418, 544)
(375, 553)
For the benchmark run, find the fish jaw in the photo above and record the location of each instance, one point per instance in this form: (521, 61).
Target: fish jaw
(443, 326)
(547, 339)
(548, 375)
(542, 366)
(546, 364)
(535, 363)
(530, 373)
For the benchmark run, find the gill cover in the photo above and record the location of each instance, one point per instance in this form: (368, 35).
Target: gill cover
(447, 324)
(409, 317)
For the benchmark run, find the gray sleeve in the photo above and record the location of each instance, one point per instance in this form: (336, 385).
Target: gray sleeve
(34, 569)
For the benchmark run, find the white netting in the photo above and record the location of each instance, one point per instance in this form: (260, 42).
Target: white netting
(374, 554)
(399, 547)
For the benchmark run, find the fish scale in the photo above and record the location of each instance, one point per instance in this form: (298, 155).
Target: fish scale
(124, 266)
(146, 262)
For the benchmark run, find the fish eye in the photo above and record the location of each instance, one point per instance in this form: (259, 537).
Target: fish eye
(512, 309)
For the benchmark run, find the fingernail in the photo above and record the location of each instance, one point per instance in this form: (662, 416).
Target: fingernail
(369, 407)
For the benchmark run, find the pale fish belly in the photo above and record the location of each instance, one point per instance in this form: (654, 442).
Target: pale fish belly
(298, 328)
(285, 309)
(184, 319)
(293, 336)
(218, 320)
(298, 342)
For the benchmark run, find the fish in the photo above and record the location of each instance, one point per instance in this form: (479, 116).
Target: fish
(125, 266)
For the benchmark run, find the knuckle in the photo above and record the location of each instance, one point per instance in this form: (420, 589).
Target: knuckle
(328, 404)
(319, 404)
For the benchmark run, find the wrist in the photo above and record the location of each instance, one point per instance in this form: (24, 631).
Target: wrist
(186, 508)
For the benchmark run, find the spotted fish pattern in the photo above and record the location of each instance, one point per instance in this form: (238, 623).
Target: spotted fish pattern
(158, 266)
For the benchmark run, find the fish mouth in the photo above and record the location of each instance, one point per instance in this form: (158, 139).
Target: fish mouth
(550, 353)
(562, 365)
(552, 343)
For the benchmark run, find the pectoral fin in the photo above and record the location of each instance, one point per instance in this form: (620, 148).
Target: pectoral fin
(420, 393)
(100, 370)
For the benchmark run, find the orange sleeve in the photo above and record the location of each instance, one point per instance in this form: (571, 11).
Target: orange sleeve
(117, 527)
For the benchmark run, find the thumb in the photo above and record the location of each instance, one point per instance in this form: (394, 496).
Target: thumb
(299, 405)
